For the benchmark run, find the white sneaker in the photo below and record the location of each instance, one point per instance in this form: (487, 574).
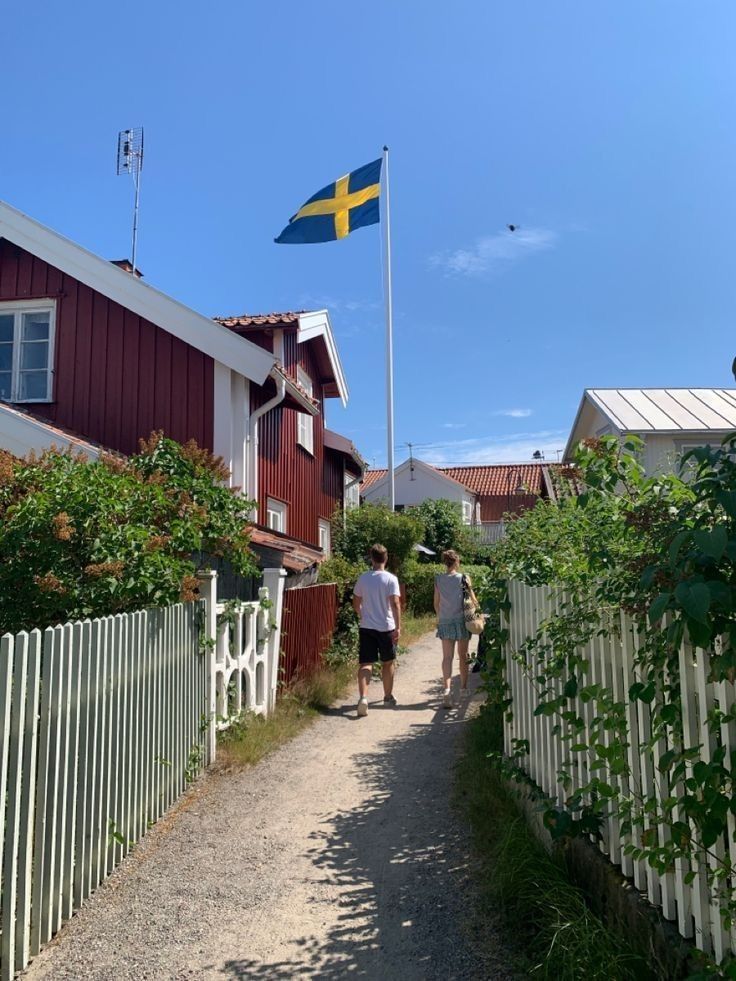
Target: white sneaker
(447, 699)
(362, 707)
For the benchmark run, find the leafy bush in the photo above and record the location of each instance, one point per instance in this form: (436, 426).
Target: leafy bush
(81, 538)
(371, 523)
(419, 580)
(443, 526)
(339, 570)
(344, 647)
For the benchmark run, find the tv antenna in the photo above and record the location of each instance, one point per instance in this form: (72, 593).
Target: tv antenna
(130, 161)
(411, 461)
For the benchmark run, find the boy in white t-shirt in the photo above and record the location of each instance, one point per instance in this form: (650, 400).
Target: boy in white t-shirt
(376, 600)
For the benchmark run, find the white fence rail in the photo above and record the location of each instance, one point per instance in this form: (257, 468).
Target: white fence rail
(612, 659)
(489, 532)
(103, 723)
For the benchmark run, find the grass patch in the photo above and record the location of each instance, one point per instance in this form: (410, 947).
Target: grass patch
(413, 627)
(252, 737)
(554, 934)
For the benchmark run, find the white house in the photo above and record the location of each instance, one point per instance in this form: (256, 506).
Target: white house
(669, 420)
(416, 481)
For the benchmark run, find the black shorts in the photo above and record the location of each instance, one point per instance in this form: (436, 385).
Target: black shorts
(374, 643)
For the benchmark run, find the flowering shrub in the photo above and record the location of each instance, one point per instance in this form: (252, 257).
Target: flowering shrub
(85, 539)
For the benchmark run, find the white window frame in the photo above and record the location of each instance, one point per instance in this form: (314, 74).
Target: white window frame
(467, 512)
(351, 494)
(276, 515)
(304, 421)
(18, 308)
(325, 536)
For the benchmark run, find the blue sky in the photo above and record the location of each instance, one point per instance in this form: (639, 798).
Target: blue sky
(604, 130)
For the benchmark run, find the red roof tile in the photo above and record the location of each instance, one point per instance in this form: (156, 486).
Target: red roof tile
(286, 319)
(490, 480)
(495, 480)
(372, 477)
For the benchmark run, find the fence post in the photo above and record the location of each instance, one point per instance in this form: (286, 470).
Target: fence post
(208, 592)
(273, 581)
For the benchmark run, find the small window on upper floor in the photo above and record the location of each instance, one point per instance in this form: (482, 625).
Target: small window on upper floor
(305, 422)
(26, 351)
(276, 512)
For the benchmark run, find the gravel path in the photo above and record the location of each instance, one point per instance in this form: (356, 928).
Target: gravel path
(339, 856)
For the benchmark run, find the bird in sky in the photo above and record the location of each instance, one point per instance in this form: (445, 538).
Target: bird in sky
(512, 228)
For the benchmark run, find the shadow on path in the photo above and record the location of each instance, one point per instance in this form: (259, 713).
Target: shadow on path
(400, 862)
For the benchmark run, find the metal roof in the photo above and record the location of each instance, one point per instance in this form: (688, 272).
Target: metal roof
(667, 410)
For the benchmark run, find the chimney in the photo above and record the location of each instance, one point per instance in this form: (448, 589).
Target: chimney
(127, 266)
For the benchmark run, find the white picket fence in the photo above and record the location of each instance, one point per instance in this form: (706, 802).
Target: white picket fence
(693, 906)
(103, 723)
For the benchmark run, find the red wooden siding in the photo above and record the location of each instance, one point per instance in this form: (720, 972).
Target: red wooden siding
(333, 481)
(287, 471)
(308, 626)
(117, 376)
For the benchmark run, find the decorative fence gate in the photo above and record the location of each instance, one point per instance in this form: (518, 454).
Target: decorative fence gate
(683, 894)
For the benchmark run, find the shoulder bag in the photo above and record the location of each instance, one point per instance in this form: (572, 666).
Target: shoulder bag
(474, 620)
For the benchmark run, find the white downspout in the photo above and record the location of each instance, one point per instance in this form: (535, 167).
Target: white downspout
(278, 350)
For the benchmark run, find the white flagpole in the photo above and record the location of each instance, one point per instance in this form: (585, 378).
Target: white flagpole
(389, 334)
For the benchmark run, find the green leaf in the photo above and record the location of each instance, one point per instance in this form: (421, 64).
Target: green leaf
(571, 688)
(668, 713)
(694, 598)
(727, 500)
(720, 591)
(659, 606)
(677, 543)
(712, 542)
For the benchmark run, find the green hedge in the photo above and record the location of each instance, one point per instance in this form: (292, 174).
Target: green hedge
(419, 581)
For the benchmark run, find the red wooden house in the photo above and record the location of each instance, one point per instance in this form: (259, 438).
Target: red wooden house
(88, 350)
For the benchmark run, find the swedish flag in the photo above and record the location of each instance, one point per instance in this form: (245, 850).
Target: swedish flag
(338, 209)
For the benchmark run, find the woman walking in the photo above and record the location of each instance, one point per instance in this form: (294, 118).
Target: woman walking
(451, 629)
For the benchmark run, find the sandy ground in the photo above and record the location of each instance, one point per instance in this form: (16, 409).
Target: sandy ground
(339, 856)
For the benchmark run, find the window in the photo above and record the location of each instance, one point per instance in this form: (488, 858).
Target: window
(352, 492)
(324, 536)
(305, 422)
(26, 351)
(276, 515)
(467, 512)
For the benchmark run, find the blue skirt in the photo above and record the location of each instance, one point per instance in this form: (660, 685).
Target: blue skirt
(454, 629)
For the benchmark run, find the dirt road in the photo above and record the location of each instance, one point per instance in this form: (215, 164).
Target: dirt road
(340, 856)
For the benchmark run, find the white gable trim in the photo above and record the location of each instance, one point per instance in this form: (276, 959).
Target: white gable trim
(193, 328)
(317, 324)
(573, 438)
(425, 468)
